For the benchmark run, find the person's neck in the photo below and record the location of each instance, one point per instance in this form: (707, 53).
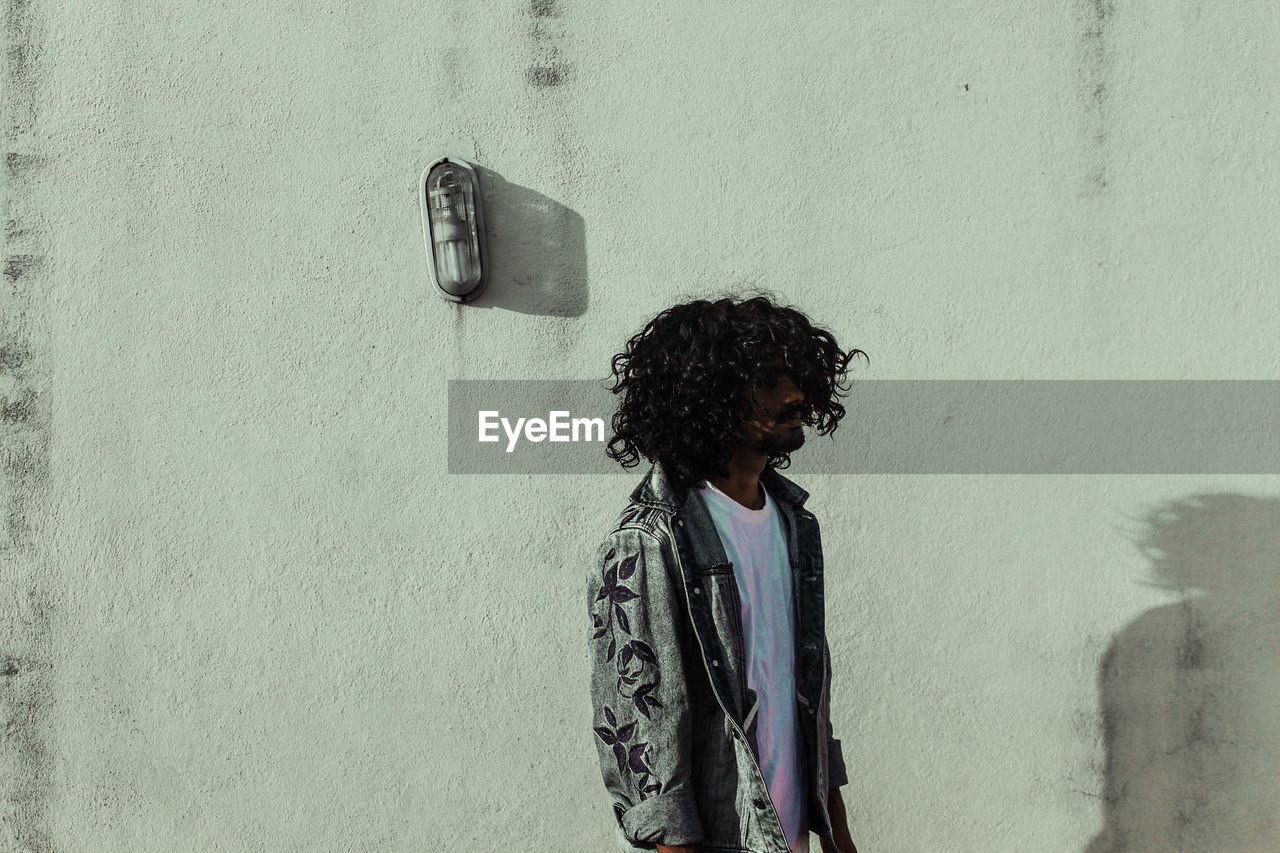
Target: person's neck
(743, 482)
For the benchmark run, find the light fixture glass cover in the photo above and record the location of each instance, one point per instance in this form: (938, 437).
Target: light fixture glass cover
(453, 227)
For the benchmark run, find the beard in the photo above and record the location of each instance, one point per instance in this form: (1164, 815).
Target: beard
(776, 444)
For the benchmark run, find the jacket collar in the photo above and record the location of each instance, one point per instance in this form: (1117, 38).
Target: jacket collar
(657, 489)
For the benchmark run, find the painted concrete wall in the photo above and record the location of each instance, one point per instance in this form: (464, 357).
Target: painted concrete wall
(246, 609)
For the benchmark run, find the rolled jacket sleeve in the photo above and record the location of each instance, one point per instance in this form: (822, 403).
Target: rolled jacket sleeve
(641, 724)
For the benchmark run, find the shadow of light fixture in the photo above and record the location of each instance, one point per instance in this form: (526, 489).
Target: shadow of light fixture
(453, 229)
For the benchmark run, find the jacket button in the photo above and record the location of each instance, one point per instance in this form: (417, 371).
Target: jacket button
(697, 590)
(715, 663)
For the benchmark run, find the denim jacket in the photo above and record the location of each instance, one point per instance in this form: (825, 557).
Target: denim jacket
(674, 719)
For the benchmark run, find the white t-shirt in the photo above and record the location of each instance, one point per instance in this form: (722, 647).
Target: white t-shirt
(756, 543)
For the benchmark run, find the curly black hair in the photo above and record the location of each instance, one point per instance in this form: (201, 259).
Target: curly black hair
(687, 374)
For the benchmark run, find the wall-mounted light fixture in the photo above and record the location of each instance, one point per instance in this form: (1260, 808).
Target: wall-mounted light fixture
(453, 228)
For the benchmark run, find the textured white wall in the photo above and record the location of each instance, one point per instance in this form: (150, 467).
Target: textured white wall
(250, 611)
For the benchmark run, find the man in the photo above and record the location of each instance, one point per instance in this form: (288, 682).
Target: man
(710, 673)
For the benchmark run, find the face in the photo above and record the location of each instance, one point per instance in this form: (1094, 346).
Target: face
(774, 424)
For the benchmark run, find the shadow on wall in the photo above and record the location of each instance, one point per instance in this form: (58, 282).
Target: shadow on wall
(1190, 692)
(537, 251)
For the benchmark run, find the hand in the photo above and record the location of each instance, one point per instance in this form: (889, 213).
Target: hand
(839, 826)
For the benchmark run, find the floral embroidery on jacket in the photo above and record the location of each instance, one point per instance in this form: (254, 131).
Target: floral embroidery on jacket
(633, 757)
(637, 667)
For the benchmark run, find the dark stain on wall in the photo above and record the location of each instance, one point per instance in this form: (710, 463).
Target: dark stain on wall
(1096, 77)
(17, 411)
(25, 469)
(19, 67)
(18, 266)
(13, 356)
(26, 597)
(25, 702)
(20, 165)
(545, 76)
(547, 34)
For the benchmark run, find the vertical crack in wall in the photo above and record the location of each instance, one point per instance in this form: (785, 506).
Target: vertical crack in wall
(26, 667)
